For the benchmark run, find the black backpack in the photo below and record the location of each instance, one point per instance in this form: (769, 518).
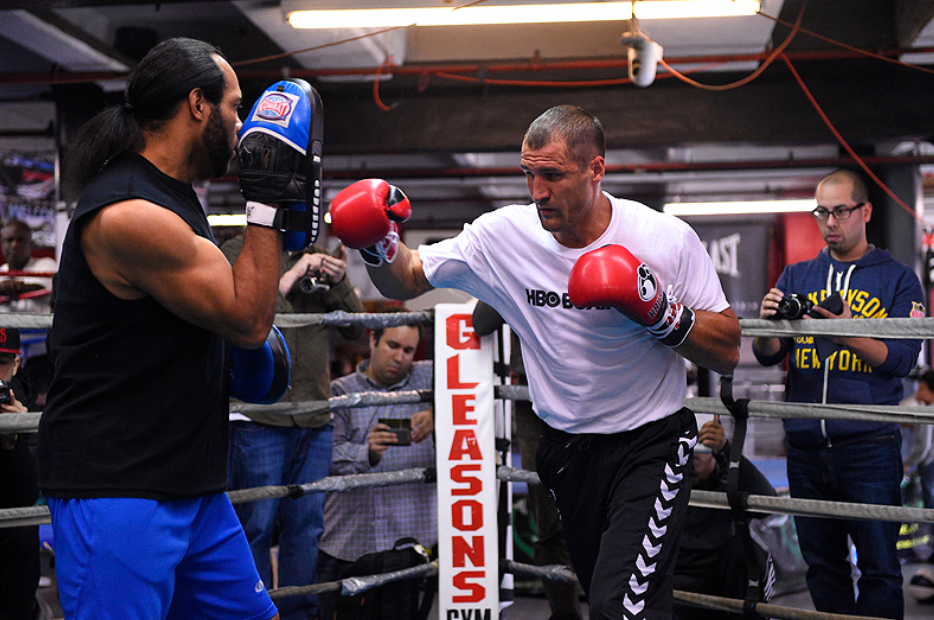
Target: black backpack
(398, 600)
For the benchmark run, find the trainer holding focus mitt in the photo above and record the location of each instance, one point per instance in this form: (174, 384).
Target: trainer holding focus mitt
(608, 298)
(133, 441)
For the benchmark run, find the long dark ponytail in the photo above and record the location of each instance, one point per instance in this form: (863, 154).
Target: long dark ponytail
(162, 80)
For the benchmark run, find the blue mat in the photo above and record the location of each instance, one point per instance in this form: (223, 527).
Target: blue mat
(773, 469)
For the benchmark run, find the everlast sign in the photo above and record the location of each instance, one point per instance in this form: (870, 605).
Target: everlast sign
(740, 254)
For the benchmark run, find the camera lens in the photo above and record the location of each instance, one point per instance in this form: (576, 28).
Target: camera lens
(308, 284)
(5, 392)
(314, 281)
(793, 307)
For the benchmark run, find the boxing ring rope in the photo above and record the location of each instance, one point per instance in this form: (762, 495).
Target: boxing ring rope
(37, 515)
(767, 409)
(765, 610)
(28, 422)
(355, 585)
(887, 328)
(922, 328)
(26, 320)
(18, 273)
(339, 318)
(337, 484)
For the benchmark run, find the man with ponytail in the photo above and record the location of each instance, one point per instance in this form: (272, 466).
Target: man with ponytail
(133, 441)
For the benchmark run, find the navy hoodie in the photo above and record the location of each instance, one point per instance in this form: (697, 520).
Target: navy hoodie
(875, 286)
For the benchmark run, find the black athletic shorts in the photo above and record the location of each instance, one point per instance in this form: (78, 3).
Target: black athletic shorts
(622, 499)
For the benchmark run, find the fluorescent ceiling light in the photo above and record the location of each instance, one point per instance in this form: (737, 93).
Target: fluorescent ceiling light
(680, 9)
(747, 207)
(227, 219)
(516, 14)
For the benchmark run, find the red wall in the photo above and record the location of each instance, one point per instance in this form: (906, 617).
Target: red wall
(795, 238)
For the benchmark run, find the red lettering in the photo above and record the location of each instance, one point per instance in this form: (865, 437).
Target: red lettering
(460, 333)
(454, 376)
(462, 551)
(467, 515)
(459, 475)
(465, 443)
(461, 408)
(477, 591)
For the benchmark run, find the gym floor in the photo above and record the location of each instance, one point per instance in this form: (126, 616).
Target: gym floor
(534, 606)
(530, 607)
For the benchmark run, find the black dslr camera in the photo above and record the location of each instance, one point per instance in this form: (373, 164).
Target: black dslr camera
(6, 393)
(795, 306)
(314, 281)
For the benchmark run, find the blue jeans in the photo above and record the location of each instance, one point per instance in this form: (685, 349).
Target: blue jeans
(926, 476)
(867, 471)
(263, 455)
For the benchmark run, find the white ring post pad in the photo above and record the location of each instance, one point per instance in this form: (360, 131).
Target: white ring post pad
(468, 553)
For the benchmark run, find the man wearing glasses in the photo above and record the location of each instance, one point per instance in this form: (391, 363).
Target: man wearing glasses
(845, 460)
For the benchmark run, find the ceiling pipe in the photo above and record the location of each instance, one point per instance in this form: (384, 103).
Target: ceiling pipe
(629, 172)
(537, 66)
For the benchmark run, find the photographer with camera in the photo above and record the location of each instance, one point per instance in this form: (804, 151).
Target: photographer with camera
(271, 449)
(845, 460)
(374, 439)
(19, 487)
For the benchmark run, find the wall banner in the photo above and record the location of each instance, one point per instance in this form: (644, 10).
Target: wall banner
(740, 254)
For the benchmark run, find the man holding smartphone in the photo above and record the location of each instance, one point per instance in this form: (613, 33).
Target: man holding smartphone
(374, 439)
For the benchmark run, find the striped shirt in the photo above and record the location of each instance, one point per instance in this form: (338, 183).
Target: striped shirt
(369, 520)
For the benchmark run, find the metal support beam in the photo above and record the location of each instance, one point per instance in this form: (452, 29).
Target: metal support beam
(867, 101)
(911, 16)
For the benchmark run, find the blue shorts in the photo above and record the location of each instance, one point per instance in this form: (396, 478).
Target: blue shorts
(141, 559)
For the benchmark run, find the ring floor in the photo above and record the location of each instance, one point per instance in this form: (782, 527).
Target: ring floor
(536, 607)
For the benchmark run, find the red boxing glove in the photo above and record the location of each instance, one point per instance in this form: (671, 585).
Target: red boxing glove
(364, 215)
(612, 276)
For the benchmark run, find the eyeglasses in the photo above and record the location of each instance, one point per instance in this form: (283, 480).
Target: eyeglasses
(839, 213)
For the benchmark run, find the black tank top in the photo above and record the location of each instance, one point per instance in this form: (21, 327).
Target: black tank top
(138, 402)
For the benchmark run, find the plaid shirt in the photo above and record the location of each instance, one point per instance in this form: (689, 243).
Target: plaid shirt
(369, 520)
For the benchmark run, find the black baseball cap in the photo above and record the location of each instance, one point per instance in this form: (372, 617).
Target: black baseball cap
(9, 340)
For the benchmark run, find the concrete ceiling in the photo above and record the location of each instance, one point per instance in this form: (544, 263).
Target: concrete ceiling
(448, 113)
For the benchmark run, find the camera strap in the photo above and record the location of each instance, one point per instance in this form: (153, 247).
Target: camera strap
(738, 499)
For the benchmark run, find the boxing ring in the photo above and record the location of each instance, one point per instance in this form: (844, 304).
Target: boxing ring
(458, 410)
